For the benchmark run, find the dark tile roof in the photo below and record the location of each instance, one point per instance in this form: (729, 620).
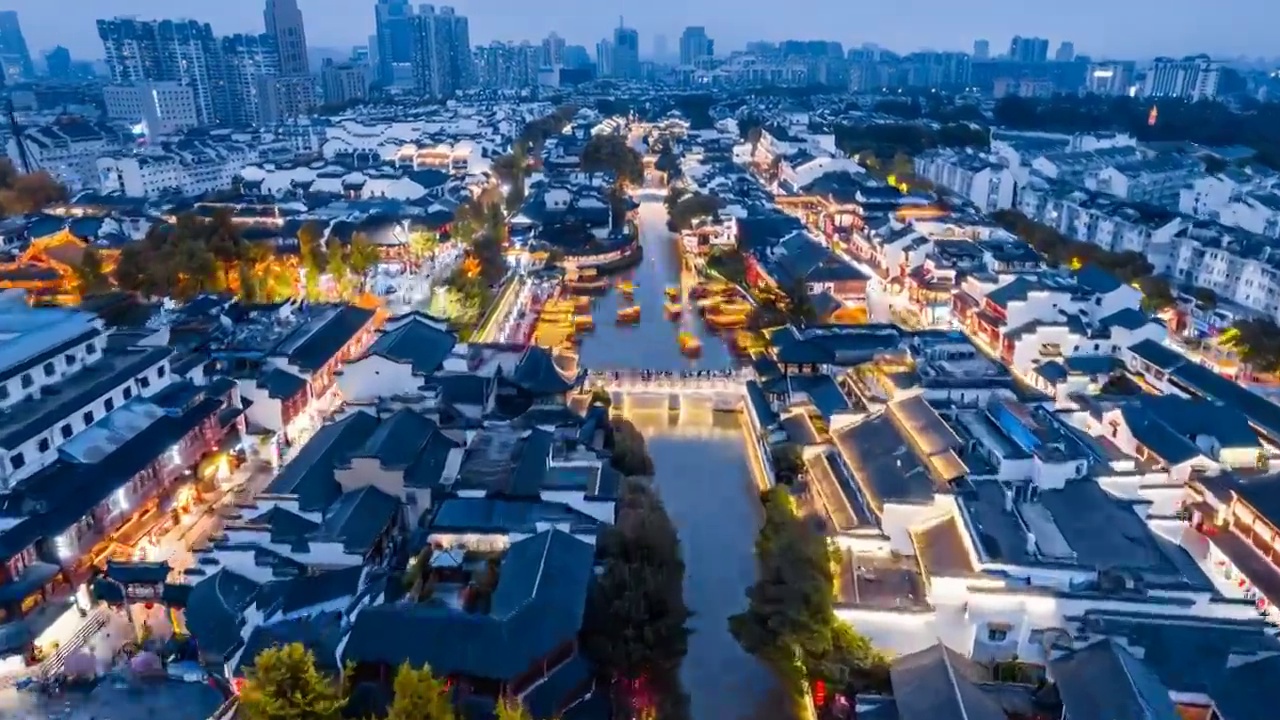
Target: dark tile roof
(417, 343)
(1104, 681)
(320, 634)
(536, 608)
(215, 610)
(497, 515)
(359, 517)
(48, 354)
(1248, 691)
(311, 352)
(281, 384)
(938, 683)
(307, 591)
(538, 373)
(398, 439)
(310, 474)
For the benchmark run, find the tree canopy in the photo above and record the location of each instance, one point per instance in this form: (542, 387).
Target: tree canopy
(885, 140)
(27, 193)
(611, 153)
(689, 207)
(420, 695)
(635, 628)
(790, 620)
(1257, 341)
(284, 684)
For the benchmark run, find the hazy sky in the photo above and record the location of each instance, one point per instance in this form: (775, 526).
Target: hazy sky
(1118, 28)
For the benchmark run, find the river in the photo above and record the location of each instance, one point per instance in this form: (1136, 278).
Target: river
(701, 471)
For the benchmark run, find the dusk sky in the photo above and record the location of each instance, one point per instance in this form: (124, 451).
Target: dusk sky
(1112, 28)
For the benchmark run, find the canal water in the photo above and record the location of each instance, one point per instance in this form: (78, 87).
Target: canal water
(652, 344)
(701, 471)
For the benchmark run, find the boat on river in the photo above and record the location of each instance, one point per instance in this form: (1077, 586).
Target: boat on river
(583, 323)
(674, 310)
(629, 315)
(627, 288)
(690, 346)
(585, 281)
(673, 293)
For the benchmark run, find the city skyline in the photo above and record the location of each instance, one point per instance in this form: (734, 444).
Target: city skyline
(46, 23)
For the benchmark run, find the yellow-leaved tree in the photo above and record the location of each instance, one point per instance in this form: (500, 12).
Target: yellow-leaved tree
(284, 684)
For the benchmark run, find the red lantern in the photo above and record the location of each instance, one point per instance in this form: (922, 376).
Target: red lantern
(237, 684)
(148, 605)
(819, 693)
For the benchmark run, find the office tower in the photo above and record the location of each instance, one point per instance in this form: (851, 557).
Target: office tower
(576, 56)
(344, 83)
(58, 60)
(1110, 78)
(659, 47)
(249, 65)
(1066, 52)
(553, 51)
(441, 55)
(604, 58)
(160, 108)
(283, 22)
(182, 51)
(626, 52)
(15, 59)
(695, 45)
(1028, 49)
(508, 66)
(393, 22)
(981, 49)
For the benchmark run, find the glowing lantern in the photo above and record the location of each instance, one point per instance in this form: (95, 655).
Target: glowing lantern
(819, 693)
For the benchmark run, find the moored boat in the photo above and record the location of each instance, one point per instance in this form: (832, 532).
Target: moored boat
(629, 314)
(674, 310)
(690, 346)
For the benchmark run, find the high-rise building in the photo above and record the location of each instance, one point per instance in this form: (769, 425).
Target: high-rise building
(15, 59)
(344, 82)
(182, 51)
(1066, 52)
(604, 58)
(981, 49)
(250, 64)
(695, 45)
(1194, 78)
(659, 47)
(509, 66)
(395, 34)
(576, 56)
(441, 55)
(1028, 49)
(161, 108)
(58, 61)
(626, 53)
(1109, 78)
(283, 21)
(553, 51)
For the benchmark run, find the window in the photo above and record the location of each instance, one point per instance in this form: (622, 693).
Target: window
(997, 632)
(43, 445)
(109, 404)
(90, 349)
(49, 369)
(128, 393)
(160, 371)
(16, 461)
(144, 382)
(70, 359)
(87, 417)
(66, 431)
(27, 381)
(4, 392)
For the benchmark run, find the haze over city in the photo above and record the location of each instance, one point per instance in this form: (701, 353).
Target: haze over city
(1131, 28)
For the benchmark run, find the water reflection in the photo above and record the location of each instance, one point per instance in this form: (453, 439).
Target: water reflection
(701, 472)
(653, 342)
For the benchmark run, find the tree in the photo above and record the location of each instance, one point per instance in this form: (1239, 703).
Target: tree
(362, 258)
(311, 254)
(691, 207)
(21, 194)
(336, 265)
(611, 153)
(284, 684)
(635, 626)
(510, 708)
(422, 243)
(90, 275)
(790, 620)
(420, 695)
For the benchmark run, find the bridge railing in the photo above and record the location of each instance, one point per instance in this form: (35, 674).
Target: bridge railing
(681, 379)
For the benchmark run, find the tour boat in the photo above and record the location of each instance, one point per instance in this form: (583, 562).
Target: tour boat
(584, 323)
(582, 304)
(690, 346)
(585, 281)
(722, 320)
(674, 310)
(673, 293)
(627, 288)
(629, 314)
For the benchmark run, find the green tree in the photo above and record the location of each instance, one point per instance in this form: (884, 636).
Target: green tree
(510, 708)
(636, 620)
(362, 258)
(691, 207)
(225, 241)
(422, 243)
(312, 256)
(611, 153)
(90, 275)
(419, 695)
(284, 684)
